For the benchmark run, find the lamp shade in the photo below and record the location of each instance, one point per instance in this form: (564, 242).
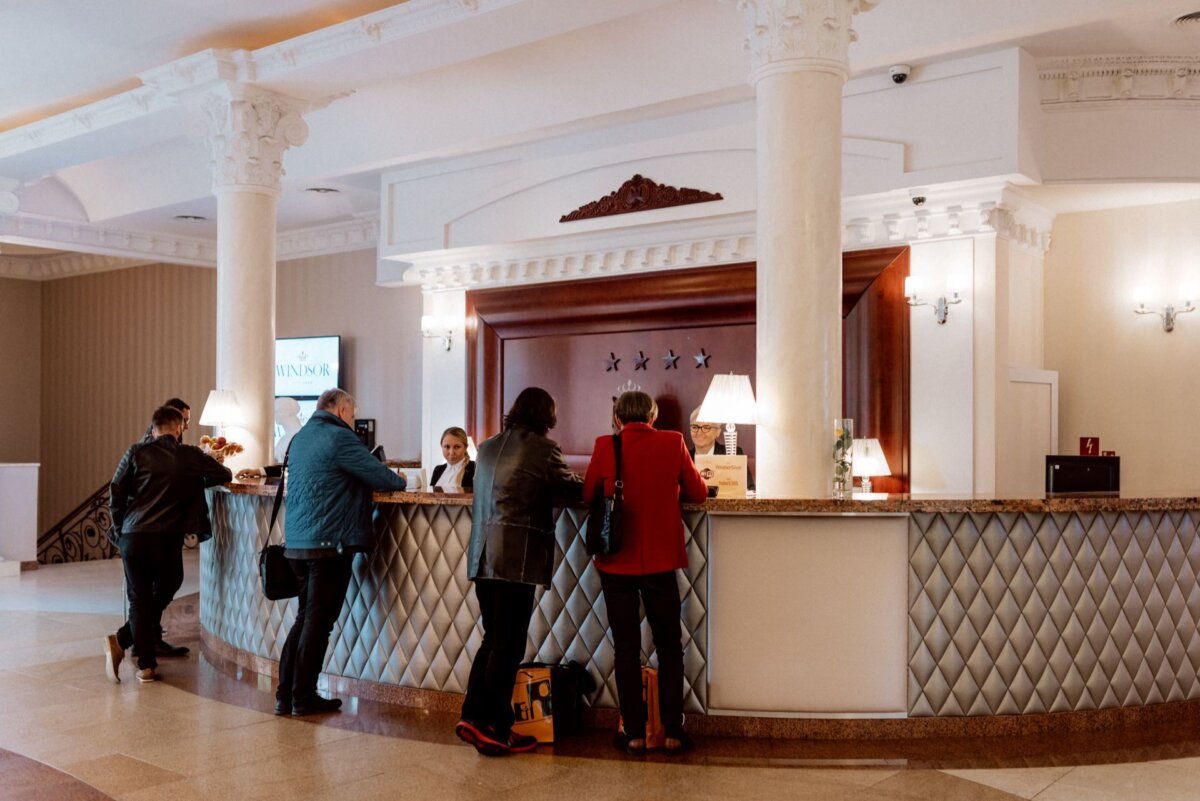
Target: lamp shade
(729, 400)
(221, 409)
(869, 459)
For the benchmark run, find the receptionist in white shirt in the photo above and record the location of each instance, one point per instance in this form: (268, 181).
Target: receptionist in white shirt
(457, 474)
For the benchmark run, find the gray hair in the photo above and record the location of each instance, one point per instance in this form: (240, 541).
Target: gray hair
(635, 407)
(332, 398)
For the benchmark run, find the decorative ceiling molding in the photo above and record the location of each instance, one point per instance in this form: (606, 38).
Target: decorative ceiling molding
(321, 240)
(111, 249)
(639, 194)
(382, 27)
(45, 268)
(47, 232)
(890, 219)
(165, 85)
(10, 202)
(94, 116)
(1074, 83)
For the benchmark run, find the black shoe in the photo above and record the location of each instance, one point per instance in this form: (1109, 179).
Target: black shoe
(315, 706)
(283, 707)
(685, 743)
(629, 745)
(164, 648)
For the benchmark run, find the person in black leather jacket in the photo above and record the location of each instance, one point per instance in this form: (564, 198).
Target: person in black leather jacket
(518, 475)
(170, 577)
(150, 500)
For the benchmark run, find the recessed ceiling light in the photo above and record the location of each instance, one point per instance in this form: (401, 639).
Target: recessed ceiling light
(322, 190)
(1188, 19)
(190, 218)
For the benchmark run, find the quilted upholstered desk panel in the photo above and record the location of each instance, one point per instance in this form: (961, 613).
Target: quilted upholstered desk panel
(1016, 613)
(410, 618)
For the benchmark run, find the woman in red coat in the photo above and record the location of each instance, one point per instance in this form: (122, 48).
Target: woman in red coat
(657, 474)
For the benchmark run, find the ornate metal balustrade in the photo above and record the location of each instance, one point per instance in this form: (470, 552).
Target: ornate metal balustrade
(81, 536)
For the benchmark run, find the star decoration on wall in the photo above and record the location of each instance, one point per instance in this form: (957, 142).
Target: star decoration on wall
(641, 361)
(702, 359)
(672, 361)
(612, 362)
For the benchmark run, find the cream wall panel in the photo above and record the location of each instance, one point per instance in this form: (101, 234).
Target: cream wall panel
(941, 361)
(381, 337)
(20, 369)
(115, 345)
(1122, 378)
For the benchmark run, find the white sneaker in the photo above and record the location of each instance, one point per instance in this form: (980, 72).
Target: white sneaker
(147, 675)
(113, 654)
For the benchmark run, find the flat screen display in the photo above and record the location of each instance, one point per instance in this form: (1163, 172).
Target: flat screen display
(306, 366)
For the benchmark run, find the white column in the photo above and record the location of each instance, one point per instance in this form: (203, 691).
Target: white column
(249, 130)
(800, 66)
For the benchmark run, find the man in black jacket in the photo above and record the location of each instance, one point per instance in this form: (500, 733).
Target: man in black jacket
(170, 577)
(150, 500)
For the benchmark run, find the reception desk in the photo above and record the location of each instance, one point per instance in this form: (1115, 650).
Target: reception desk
(895, 611)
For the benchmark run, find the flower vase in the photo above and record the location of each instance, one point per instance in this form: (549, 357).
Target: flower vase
(843, 457)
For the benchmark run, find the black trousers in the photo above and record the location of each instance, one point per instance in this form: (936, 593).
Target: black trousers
(323, 584)
(166, 582)
(659, 593)
(153, 574)
(505, 608)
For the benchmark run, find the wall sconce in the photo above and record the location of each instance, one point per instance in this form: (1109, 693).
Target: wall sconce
(941, 307)
(1168, 313)
(435, 325)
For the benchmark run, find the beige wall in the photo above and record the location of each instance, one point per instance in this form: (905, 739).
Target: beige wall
(1122, 378)
(381, 337)
(115, 345)
(20, 369)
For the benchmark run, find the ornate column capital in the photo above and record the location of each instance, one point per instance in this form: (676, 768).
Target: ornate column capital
(247, 130)
(793, 35)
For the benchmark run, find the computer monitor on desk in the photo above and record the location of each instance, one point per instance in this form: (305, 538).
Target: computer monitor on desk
(1083, 475)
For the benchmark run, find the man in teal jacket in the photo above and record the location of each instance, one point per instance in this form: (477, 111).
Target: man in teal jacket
(327, 519)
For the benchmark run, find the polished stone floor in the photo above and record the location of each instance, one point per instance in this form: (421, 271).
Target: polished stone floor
(67, 733)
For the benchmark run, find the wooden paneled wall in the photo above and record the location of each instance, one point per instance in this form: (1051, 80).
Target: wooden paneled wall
(564, 336)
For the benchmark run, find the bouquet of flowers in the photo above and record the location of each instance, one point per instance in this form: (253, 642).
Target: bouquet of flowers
(219, 447)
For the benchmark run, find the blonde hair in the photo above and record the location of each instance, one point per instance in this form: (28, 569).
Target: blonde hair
(457, 433)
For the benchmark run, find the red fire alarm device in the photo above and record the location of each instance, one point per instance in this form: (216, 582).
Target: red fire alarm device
(1089, 446)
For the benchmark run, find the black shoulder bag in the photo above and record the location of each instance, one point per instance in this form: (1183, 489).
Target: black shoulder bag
(604, 515)
(278, 580)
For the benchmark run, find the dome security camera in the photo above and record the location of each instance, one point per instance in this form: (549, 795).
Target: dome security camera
(918, 195)
(899, 73)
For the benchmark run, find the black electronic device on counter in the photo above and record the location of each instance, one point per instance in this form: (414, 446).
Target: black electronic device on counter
(1083, 475)
(364, 427)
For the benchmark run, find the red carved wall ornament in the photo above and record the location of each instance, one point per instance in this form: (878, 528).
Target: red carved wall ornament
(639, 194)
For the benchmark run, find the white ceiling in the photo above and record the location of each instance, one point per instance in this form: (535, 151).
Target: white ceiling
(446, 91)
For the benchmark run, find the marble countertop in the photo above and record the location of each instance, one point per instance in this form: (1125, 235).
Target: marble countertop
(876, 504)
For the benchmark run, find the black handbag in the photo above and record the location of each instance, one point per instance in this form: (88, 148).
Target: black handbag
(274, 572)
(604, 515)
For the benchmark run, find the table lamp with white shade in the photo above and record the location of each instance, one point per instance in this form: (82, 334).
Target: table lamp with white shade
(221, 410)
(869, 461)
(729, 400)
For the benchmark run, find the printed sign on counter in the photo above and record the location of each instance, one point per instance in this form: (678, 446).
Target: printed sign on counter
(726, 473)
